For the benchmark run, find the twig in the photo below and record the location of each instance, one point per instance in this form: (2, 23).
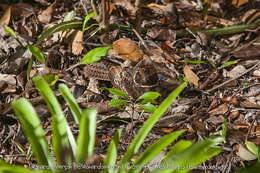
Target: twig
(138, 4)
(83, 3)
(141, 39)
(94, 7)
(221, 85)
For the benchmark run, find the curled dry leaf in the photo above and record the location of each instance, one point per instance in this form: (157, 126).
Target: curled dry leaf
(46, 15)
(5, 18)
(247, 53)
(22, 9)
(245, 154)
(221, 109)
(127, 50)
(127, 5)
(162, 34)
(191, 76)
(42, 2)
(236, 71)
(238, 3)
(249, 104)
(77, 46)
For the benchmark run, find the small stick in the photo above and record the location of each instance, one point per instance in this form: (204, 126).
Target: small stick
(141, 39)
(221, 85)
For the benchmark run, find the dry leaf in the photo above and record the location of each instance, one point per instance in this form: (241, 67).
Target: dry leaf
(22, 9)
(46, 15)
(127, 50)
(221, 109)
(252, 52)
(127, 5)
(5, 19)
(77, 46)
(42, 2)
(191, 76)
(238, 3)
(245, 154)
(162, 34)
(248, 104)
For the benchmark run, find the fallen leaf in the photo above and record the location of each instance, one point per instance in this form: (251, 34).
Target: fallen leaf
(247, 53)
(238, 3)
(245, 154)
(221, 109)
(236, 71)
(22, 9)
(162, 34)
(127, 5)
(42, 2)
(233, 115)
(191, 76)
(215, 120)
(241, 125)
(77, 46)
(127, 50)
(5, 19)
(248, 104)
(256, 73)
(46, 15)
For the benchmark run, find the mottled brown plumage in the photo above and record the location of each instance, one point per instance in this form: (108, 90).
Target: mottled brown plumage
(134, 80)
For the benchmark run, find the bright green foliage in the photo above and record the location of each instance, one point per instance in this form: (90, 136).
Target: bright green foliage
(189, 158)
(37, 53)
(153, 150)
(74, 107)
(112, 152)
(71, 24)
(229, 63)
(86, 20)
(182, 153)
(116, 92)
(87, 135)
(148, 107)
(148, 125)
(51, 79)
(62, 135)
(195, 61)
(95, 55)
(252, 147)
(33, 130)
(177, 148)
(10, 31)
(117, 103)
(150, 96)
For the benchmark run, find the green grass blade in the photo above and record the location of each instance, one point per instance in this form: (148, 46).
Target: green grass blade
(148, 125)
(10, 31)
(250, 169)
(95, 55)
(116, 92)
(153, 150)
(191, 157)
(229, 63)
(7, 168)
(177, 148)
(37, 53)
(63, 140)
(87, 135)
(33, 130)
(112, 152)
(74, 107)
(59, 27)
